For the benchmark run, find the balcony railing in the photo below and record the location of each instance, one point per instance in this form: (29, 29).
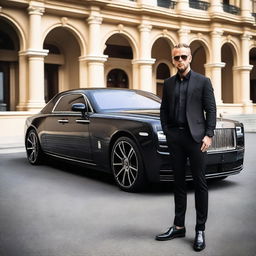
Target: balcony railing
(231, 9)
(201, 5)
(166, 3)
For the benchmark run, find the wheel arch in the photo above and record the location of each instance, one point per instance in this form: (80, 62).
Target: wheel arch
(118, 135)
(142, 176)
(129, 135)
(31, 127)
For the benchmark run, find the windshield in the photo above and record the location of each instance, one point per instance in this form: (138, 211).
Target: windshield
(118, 100)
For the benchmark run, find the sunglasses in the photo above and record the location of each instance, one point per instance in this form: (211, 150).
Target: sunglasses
(183, 57)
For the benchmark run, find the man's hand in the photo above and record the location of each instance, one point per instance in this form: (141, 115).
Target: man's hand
(207, 142)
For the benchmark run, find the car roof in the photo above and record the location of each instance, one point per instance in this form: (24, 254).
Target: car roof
(99, 89)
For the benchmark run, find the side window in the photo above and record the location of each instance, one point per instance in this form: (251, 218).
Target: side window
(66, 102)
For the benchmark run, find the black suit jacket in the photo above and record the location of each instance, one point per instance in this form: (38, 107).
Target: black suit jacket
(200, 106)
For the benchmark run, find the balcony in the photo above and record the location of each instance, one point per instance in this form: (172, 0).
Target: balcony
(201, 5)
(166, 3)
(231, 9)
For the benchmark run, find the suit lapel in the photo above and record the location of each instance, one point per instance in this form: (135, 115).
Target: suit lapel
(172, 94)
(191, 87)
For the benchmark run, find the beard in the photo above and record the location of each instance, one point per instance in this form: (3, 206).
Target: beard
(182, 69)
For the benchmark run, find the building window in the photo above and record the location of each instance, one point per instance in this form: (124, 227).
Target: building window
(117, 78)
(119, 51)
(201, 5)
(232, 9)
(6, 42)
(166, 3)
(254, 9)
(4, 86)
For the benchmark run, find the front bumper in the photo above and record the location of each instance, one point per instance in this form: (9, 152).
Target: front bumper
(219, 164)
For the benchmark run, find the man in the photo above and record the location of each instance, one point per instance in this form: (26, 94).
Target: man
(188, 118)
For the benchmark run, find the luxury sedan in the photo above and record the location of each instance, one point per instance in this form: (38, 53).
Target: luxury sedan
(119, 131)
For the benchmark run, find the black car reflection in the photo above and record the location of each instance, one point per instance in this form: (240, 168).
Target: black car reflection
(119, 131)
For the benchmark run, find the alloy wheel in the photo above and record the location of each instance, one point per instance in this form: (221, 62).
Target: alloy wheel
(125, 164)
(32, 147)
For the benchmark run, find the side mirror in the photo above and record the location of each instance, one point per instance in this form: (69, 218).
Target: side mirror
(80, 107)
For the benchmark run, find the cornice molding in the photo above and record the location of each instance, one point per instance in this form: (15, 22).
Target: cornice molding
(95, 19)
(94, 58)
(243, 68)
(215, 65)
(36, 10)
(144, 61)
(145, 27)
(34, 53)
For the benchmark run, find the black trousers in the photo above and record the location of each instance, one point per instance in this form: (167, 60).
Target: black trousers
(182, 146)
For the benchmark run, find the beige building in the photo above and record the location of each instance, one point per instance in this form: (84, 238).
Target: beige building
(47, 46)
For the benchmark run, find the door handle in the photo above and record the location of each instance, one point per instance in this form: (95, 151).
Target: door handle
(83, 121)
(63, 121)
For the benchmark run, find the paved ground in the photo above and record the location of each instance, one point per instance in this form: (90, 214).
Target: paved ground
(55, 210)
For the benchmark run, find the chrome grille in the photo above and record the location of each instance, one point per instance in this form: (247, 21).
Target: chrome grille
(223, 139)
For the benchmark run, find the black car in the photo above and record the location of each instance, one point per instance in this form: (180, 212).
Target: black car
(119, 131)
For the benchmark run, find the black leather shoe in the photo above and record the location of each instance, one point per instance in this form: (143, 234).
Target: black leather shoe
(172, 232)
(199, 243)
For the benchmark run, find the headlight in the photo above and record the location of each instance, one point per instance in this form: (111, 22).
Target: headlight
(239, 131)
(161, 136)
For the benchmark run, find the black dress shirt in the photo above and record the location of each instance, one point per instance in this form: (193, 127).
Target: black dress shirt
(181, 86)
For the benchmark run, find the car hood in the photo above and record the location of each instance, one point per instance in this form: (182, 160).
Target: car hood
(155, 115)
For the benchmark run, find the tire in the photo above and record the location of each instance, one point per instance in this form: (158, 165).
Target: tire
(127, 165)
(33, 148)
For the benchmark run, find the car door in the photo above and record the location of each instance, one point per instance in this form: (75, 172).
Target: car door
(66, 131)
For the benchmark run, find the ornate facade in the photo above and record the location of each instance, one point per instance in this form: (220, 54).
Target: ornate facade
(49, 46)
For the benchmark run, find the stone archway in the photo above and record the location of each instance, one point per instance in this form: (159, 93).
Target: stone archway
(161, 52)
(62, 62)
(253, 75)
(227, 80)
(162, 72)
(9, 66)
(119, 64)
(199, 57)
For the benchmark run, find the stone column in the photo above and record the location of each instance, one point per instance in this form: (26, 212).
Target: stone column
(215, 69)
(145, 74)
(216, 65)
(35, 15)
(182, 5)
(145, 62)
(184, 35)
(246, 10)
(135, 75)
(36, 56)
(36, 79)
(147, 2)
(12, 83)
(95, 70)
(215, 7)
(83, 72)
(23, 82)
(245, 69)
(95, 59)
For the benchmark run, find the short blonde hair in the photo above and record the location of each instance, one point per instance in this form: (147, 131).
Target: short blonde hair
(182, 45)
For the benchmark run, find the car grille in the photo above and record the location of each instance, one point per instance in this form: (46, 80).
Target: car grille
(224, 139)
